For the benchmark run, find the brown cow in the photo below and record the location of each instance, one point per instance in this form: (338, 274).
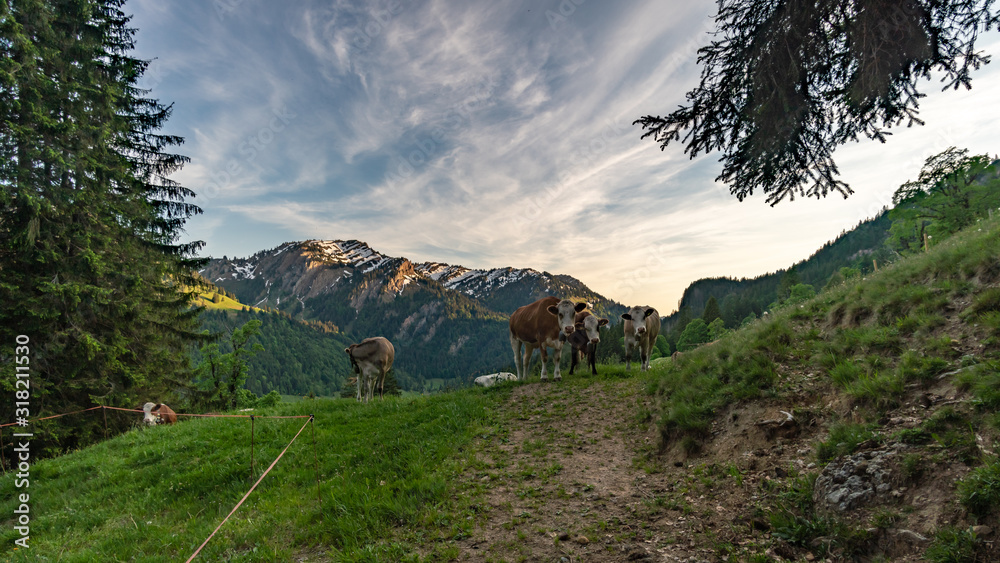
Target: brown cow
(158, 413)
(585, 339)
(642, 326)
(371, 360)
(544, 323)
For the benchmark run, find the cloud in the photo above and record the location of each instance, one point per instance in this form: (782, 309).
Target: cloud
(488, 134)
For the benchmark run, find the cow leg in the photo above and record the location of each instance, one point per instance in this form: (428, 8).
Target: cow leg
(545, 359)
(592, 357)
(519, 363)
(572, 360)
(526, 360)
(556, 358)
(628, 355)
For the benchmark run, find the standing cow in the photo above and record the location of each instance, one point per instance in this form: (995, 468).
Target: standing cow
(371, 360)
(547, 322)
(585, 339)
(642, 326)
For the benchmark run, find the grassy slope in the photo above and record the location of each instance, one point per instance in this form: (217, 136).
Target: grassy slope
(155, 495)
(856, 358)
(878, 341)
(226, 302)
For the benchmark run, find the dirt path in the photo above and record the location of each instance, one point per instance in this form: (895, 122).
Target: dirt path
(568, 481)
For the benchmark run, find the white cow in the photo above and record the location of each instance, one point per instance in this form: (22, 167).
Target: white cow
(642, 326)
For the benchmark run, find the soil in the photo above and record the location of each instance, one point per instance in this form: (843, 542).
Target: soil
(582, 473)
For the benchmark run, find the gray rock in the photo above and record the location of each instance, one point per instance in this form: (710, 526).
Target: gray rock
(853, 481)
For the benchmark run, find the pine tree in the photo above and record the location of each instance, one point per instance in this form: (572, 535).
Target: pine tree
(784, 84)
(712, 311)
(90, 267)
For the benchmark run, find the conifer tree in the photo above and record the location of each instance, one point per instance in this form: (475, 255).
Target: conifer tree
(785, 83)
(712, 311)
(91, 270)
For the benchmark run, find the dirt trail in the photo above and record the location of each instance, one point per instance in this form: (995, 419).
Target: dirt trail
(566, 482)
(575, 476)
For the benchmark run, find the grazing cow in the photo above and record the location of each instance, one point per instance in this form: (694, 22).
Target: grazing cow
(371, 359)
(158, 413)
(547, 322)
(642, 326)
(585, 339)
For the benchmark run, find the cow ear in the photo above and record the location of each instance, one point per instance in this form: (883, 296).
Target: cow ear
(627, 316)
(348, 349)
(552, 309)
(602, 322)
(580, 307)
(650, 311)
(579, 326)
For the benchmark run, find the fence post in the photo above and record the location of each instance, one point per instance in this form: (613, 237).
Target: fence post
(251, 446)
(312, 425)
(105, 411)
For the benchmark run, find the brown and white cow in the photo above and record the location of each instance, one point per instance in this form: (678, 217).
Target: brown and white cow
(546, 323)
(158, 413)
(371, 359)
(642, 326)
(585, 339)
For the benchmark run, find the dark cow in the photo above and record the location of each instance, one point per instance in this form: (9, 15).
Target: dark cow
(585, 339)
(642, 326)
(158, 413)
(547, 322)
(371, 360)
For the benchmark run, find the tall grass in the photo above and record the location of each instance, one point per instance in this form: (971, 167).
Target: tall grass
(156, 494)
(872, 337)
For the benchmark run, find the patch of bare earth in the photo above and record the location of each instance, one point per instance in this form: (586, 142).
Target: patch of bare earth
(578, 475)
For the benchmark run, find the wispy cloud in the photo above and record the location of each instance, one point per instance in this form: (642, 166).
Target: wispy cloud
(486, 134)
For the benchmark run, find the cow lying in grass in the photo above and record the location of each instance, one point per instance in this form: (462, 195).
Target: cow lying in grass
(585, 339)
(371, 359)
(158, 413)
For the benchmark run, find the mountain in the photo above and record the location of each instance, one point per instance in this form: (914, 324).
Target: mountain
(448, 323)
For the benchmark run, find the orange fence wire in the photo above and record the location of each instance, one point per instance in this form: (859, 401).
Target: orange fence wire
(231, 512)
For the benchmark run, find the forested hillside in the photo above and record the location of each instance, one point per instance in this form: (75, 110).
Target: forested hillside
(951, 190)
(448, 323)
(297, 358)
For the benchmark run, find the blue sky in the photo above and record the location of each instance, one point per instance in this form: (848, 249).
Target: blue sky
(492, 134)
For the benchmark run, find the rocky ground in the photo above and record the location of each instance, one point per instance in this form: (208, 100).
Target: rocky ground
(581, 473)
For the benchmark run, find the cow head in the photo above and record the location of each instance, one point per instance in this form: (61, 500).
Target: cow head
(354, 364)
(150, 419)
(590, 325)
(566, 312)
(638, 317)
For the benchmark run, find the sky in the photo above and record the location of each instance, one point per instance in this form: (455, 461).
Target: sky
(493, 134)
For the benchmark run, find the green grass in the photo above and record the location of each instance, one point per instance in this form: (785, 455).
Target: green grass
(156, 494)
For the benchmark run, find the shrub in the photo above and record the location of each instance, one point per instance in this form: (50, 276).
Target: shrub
(952, 545)
(979, 493)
